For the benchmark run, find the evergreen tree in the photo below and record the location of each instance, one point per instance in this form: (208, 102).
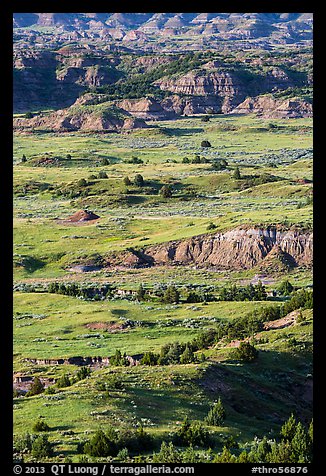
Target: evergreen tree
(260, 290)
(149, 358)
(236, 173)
(139, 180)
(246, 352)
(310, 431)
(285, 288)
(140, 293)
(63, 381)
(166, 191)
(167, 454)
(301, 445)
(118, 359)
(36, 388)
(171, 295)
(289, 428)
(216, 414)
(280, 453)
(127, 181)
(187, 357)
(82, 182)
(205, 143)
(225, 457)
(83, 373)
(42, 448)
(100, 445)
(40, 425)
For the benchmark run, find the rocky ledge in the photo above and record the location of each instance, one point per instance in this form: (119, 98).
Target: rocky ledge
(241, 248)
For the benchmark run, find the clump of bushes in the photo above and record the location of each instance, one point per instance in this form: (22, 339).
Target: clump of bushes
(40, 425)
(111, 442)
(192, 433)
(246, 352)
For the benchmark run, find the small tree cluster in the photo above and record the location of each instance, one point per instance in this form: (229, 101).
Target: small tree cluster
(42, 448)
(192, 433)
(219, 164)
(119, 360)
(171, 295)
(63, 381)
(112, 442)
(248, 293)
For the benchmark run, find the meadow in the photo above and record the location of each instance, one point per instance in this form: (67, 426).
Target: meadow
(274, 158)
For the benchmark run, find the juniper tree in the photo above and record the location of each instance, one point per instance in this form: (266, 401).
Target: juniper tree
(236, 173)
(166, 191)
(216, 414)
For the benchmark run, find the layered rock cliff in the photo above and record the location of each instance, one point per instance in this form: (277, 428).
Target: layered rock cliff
(226, 86)
(241, 248)
(71, 119)
(269, 107)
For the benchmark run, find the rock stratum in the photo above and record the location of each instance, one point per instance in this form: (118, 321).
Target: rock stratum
(270, 249)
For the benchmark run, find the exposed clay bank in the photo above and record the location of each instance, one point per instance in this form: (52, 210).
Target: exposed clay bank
(241, 248)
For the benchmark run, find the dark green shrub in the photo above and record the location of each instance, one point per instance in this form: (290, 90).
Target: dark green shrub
(40, 425)
(63, 381)
(216, 414)
(82, 182)
(36, 388)
(166, 191)
(42, 448)
(246, 352)
(236, 173)
(118, 359)
(211, 226)
(171, 295)
(194, 434)
(101, 444)
(187, 357)
(285, 288)
(205, 143)
(83, 373)
(149, 358)
(139, 180)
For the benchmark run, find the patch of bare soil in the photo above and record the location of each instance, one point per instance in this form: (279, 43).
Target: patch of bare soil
(107, 326)
(80, 218)
(285, 321)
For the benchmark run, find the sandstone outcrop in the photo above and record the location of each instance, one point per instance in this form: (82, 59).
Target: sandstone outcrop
(241, 248)
(268, 107)
(143, 108)
(227, 86)
(72, 119)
